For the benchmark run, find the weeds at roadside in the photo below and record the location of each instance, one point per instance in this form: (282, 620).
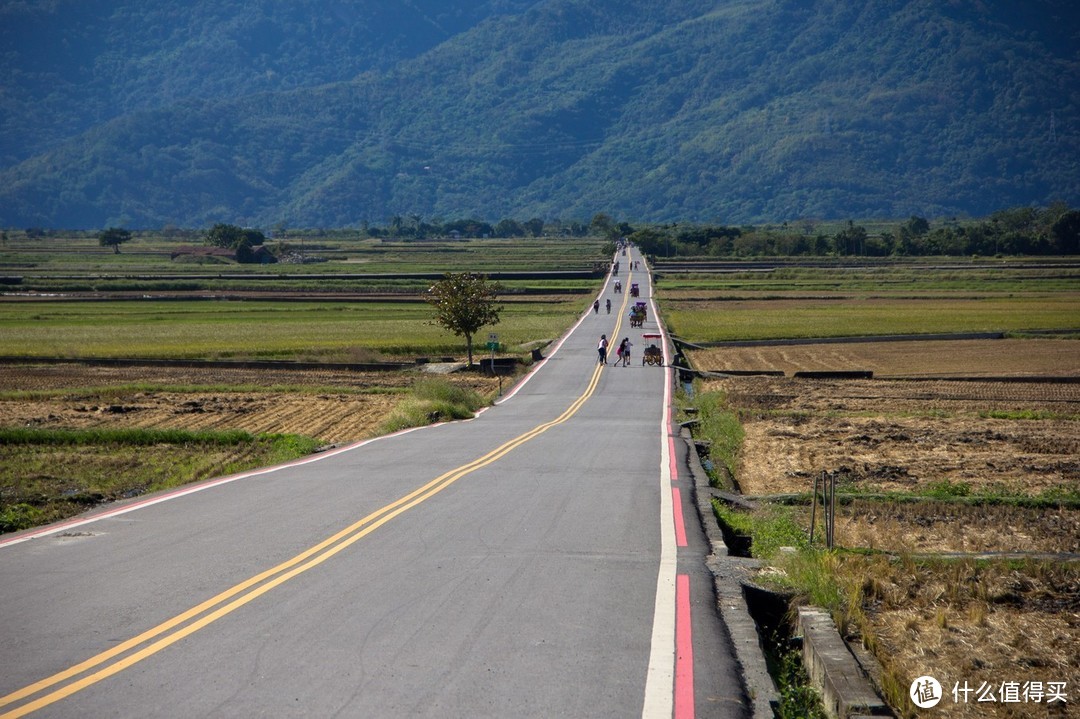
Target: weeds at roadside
(433, 400)
(718, 426)
(771, 527)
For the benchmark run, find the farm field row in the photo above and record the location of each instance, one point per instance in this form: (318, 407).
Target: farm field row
(723, 320)
(957, 533)
(65, 306)
(332, 406)
(923, 359)
(154, 254)
(262, 329)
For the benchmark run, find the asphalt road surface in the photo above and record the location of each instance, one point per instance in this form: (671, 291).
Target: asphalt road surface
(541, 560)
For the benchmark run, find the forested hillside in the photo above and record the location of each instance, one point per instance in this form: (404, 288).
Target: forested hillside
(69, 65)
(734, 111)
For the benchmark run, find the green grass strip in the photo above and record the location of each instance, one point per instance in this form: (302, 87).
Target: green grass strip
(137, 437)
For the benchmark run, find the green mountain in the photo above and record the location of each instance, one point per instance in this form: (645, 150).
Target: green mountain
(732, 111)
(70, 65)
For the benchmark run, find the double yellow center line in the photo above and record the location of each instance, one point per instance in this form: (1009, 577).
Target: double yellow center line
(152, 641)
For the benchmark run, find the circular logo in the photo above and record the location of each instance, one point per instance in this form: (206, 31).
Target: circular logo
(925, 692)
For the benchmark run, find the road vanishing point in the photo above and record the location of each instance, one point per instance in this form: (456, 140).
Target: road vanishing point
(542, 560)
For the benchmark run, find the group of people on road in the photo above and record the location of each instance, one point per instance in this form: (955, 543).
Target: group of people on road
(622, 352)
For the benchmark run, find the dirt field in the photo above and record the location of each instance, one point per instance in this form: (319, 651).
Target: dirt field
(961, 620)
(883, 435)
(962, 358)
(332, 406)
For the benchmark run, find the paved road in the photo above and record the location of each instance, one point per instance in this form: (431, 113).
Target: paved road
(532, 562)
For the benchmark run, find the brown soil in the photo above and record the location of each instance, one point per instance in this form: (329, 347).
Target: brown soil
(893, 435)
(960, 620)
(332, 406)
(931, 527)
(961, 358)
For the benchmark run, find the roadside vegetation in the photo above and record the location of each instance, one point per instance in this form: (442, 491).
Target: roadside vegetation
(51, 474)
(434, 400)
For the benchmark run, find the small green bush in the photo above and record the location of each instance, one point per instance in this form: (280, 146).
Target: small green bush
(18, 516)
(431, 401)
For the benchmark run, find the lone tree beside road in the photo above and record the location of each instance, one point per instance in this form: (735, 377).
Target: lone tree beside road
(114, 237)
(464, 303)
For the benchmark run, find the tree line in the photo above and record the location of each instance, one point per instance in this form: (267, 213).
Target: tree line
(1053, 230)
(1017, 231)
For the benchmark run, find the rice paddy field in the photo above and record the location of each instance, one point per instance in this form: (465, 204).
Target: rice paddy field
(851, 300)
(162, 261)
(262, 329)
(66, 296)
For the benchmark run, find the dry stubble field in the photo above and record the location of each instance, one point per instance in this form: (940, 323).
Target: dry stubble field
(334, 406)
(1004, 622)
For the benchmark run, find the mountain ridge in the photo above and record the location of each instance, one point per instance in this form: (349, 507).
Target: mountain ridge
(740, 112)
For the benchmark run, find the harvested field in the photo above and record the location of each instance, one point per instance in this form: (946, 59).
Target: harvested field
(333, 406)
(944, 358)
(328, 417)
(999, 621)
(951, 527)
(782, 454)
(979, 625)
(882, 435)
(869, 397)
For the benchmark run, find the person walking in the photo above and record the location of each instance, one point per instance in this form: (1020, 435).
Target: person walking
(601, 349)
(596, 307)
(607, 303)
(624, 351)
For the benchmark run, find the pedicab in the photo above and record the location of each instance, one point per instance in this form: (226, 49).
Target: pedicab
(652, 354)
(634, 291)
(637, 314)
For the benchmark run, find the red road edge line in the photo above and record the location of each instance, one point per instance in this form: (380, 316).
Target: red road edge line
(671, 458)
(684, 650)
(684, 634)
(680, 526)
